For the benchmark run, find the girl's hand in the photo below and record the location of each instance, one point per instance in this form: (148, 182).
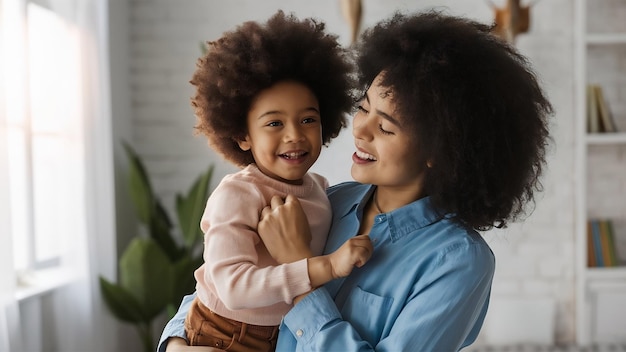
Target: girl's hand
(354, 252)
(285, 230)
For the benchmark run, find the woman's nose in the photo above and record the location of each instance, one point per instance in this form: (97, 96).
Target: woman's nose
(360, 127)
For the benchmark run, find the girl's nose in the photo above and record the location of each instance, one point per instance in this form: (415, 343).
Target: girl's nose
(293, 134)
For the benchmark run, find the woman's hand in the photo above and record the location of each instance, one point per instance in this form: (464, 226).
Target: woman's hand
(176, 344)
(285, 230)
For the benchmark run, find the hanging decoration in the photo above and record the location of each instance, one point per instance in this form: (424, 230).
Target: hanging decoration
(511, 20)
(352, 11)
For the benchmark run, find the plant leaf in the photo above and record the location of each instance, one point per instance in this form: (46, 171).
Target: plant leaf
(140, 189)
(160, 231)
(191, 207)
(183, 280)
(171, 310)
(145, 271)
(121, 303)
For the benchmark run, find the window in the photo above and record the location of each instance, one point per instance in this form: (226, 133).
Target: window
(44, 136)
(56, 174)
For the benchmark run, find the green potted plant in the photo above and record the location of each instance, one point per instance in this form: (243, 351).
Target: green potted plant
(156, 270)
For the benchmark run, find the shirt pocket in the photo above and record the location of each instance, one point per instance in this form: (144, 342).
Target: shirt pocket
(367, 313)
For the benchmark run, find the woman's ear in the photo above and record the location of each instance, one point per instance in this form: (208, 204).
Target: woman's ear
(244, 144)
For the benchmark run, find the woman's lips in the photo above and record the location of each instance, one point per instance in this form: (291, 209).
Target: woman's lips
(357, 159)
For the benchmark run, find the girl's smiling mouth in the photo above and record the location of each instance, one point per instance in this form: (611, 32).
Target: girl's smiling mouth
(295, 155)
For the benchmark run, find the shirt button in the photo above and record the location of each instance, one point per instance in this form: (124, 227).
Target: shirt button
(299, 333)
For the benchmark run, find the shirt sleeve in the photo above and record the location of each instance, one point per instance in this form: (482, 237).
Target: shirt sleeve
(176, 326)
(235, 260)
(443, 315)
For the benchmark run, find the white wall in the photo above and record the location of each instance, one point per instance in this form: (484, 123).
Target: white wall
(535, 260)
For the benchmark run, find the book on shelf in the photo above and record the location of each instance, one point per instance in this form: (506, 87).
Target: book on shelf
(595, 243)
(618, 227)
(593, 125)
(599, 115)
(601, 248)
(591, 255)
(610, 237)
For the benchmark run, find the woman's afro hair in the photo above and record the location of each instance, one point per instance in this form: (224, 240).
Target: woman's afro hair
(474, 106)
(255, 56)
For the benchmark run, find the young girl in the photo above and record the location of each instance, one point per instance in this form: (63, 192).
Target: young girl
(450, 138)
(268, 96)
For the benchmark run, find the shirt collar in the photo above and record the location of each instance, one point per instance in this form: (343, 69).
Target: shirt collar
(402, 221)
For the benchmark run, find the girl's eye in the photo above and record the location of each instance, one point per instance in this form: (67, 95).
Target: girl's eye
(274, 124)
(309, 120)
(360, 108)
(383, 131)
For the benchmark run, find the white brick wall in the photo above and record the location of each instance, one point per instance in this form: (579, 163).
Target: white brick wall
(535, 260)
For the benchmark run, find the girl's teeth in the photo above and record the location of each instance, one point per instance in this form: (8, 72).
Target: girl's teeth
(366, 156)
(292, 155)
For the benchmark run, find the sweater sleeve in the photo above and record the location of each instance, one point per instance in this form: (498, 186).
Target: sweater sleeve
(236, 262)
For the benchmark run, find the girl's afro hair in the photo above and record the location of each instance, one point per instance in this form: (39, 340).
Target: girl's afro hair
(255, 56)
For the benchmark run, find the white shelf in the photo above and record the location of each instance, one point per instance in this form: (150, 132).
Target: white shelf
(610, 275)
(605, 38)
(605, 138)
(599, 290)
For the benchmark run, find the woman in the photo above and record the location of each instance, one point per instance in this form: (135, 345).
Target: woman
(450, 139)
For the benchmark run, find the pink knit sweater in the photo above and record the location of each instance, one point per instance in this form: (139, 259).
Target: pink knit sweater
(239, 279)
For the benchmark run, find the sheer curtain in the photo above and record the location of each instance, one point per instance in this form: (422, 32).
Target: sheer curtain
(73, 316)
(10, 338)
(9, 317)
(93, 251)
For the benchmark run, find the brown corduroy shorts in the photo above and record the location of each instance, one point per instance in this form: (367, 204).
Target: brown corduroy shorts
(205, 328)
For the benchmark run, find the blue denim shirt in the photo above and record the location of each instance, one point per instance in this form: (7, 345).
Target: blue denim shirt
(426, 287)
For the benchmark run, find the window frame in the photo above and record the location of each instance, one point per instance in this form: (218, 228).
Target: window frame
(22, 173)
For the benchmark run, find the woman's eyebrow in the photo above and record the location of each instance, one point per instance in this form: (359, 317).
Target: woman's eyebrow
(388, 117)
(383, 114)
